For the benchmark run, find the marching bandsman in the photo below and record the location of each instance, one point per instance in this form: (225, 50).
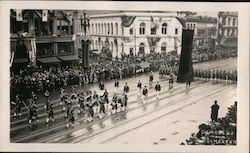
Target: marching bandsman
(81, 105)
(47, 94)
(157, 89)
(50, 114)
(126, 88)
(71, 119)
(32, 112)
(106, 99)
(144, 93)
(151, 78)
(33, 97)
(116, 85)
(125, 101)
(114, 104)
(18, 104)
(102, 87)
(171, 82)
(139, 86)
(101, 107)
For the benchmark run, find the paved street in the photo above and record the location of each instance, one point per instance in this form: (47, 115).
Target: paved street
(169, 120)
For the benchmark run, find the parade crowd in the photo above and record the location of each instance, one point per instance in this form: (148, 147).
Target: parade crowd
(29, 82)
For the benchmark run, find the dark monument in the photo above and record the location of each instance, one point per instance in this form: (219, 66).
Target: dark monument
(186, 73)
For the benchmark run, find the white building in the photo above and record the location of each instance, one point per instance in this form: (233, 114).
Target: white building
(136, 32)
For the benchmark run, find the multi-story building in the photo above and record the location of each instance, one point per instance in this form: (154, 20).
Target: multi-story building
(227, 29)
(49, 35)
(136, 33)
(205, 31)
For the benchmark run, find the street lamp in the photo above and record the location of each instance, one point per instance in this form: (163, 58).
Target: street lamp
(85, 42)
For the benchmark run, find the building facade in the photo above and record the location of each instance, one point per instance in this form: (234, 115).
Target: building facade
(48, 35)
(228, 29)
(135, 33)
(205, 31)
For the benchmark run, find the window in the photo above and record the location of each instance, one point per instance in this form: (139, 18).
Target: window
(229, 21)
(234, 21)
(228, 32)
(141, 48)
(96, 29)
(142, 28)
(122, 49)
(65, 48)
(116, 28)
(223, 21)
(164, 28)
(103, 28)
(45, 49)
(96, 44)
(131, 31)
(112, 29)
(108, 29)
(176, 31)
(99, 28)
(111, 49)
(163, 48)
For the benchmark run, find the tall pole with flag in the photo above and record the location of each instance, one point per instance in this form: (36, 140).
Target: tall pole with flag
(85, 42)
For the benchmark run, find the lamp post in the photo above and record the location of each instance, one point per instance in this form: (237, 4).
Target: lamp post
(85, 42)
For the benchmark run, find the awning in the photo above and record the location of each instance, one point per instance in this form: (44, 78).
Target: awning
(69, 58)
(145, 65)
(21, 60)
(49, 60)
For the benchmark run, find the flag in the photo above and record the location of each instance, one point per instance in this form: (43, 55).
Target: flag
(45, 16)
(19, 15)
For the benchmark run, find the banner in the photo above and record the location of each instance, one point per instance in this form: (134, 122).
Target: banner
(32, 52)
(19, 15)
(45, 16)
(127, 20)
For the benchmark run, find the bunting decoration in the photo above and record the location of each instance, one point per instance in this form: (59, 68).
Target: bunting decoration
(127, 20)
(19, 15)
(45, 16)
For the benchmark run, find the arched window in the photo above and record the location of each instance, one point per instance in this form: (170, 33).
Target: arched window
(108, 29)
(99, 28)
(164, 28)
(191, 26)
(116, 28)
(163, 47)
(142, 28)
(112, 29)
(188, 25)
(95, 28)
(92, 26)
(102, 28)
(141, 49)
(105, 29)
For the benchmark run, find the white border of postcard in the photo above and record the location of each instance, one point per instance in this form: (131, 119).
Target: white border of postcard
(243, 71)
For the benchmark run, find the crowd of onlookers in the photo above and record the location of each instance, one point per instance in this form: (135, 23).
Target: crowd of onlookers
(219, 132)
(217, 54)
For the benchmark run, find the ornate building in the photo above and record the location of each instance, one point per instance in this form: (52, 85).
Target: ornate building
(228, 29)
(205, 31)
(136, 33)
(49, 36)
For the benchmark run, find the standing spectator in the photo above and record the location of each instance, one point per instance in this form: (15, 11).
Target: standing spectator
(214, 111)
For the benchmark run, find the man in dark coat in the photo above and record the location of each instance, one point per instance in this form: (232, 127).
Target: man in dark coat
(214, 111)
(157, 89)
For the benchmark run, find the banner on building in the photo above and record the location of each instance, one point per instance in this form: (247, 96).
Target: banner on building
(45, 16)
(127, 20)
(32, 52)
(19, 15)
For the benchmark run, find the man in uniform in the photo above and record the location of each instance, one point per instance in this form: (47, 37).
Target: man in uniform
(126, 88)
(214, 111)
(157, 89)
(144, 93)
